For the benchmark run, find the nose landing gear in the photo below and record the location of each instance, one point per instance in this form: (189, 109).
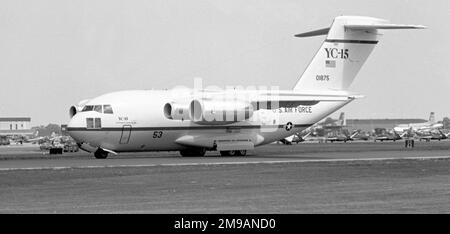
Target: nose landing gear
(100, 154)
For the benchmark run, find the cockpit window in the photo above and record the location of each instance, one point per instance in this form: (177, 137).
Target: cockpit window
(98, 108)
(87, 108)
(107, 109)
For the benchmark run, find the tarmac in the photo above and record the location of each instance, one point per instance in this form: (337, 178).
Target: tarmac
(356, 177)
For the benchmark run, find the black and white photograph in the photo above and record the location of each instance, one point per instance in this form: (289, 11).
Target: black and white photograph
(224, 107)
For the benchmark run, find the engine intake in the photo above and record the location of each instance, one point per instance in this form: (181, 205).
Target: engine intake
(176, 111)
(72, 111)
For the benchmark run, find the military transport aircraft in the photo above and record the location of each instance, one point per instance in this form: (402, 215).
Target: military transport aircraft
(430, 125)
(230, 121)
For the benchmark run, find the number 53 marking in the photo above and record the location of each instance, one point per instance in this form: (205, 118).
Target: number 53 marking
(157, 134)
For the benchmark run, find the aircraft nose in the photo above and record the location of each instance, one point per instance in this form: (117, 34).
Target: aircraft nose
(75, 122)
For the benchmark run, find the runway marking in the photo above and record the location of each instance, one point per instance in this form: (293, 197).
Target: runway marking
(225, 163)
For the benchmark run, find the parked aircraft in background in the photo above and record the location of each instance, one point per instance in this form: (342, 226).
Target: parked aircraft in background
(300, 138)
(230, 121)
(431, 124)
(297, 137)
(382, 134)
(340, 137)
(363, 136)
(339, 123)
(388, 137)
(431, 135)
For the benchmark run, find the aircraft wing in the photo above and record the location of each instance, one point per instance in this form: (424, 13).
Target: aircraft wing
(294, 101)
(278, 98)
(208, 107)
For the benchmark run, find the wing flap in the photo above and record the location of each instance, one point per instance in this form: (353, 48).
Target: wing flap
(294, 101)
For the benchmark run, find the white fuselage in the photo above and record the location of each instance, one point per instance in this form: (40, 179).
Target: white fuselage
(138, 123)
(230, 120)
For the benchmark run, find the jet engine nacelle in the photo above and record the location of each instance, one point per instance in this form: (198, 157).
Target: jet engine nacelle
(176, 111)
(77, 108)
(212, 112)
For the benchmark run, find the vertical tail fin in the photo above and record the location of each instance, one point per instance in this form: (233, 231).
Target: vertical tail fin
(432, 119)
(342, 119)
(349, 42)
(353, 135)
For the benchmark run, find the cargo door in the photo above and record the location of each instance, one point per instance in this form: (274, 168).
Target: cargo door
(126, 133)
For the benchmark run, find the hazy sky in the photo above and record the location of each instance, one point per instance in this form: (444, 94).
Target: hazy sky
(54, 53)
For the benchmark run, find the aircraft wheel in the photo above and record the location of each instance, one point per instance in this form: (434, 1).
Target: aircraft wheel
(100, 154)
(229, 153)
(241, 152)
(201, 152)
(185, 153)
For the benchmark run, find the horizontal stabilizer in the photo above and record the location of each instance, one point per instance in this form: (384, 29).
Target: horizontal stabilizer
(383, 26)
(323, 31)
(349, 42)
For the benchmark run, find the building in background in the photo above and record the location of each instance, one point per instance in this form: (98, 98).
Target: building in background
(14, 126)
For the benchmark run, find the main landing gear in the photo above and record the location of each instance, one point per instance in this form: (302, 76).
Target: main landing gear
(233, 153)
(197, 152)
(100, 154)
(200, 152)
